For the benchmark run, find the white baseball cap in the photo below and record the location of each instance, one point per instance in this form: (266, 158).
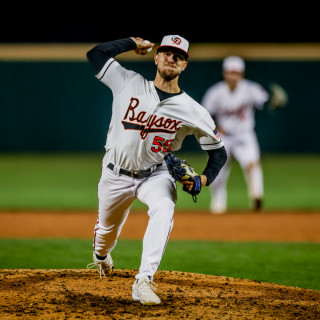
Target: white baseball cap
(175, 41)
(233, 63)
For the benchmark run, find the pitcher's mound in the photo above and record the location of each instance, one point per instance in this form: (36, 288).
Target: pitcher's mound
(81, 294)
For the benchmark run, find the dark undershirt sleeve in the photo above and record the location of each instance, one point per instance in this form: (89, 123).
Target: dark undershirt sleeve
(217, 159)
(100, 54)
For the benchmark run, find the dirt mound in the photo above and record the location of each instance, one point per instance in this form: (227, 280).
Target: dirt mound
(81, 294)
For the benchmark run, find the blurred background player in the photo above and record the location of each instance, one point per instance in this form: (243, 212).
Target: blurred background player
(232, 103)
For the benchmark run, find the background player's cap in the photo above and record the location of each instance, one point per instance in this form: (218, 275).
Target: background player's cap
(175, 41)
(233, 63)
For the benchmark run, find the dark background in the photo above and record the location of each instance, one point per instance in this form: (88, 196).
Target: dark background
(60, 106)
(196, 21)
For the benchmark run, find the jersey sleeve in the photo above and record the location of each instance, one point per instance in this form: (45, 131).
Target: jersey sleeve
(206, 133)
(259, 95)
(114, 76)
(208, 100)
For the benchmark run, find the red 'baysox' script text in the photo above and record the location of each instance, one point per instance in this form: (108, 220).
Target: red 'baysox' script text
(147, 123)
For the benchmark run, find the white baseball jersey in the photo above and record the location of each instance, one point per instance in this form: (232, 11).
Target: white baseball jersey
(143, 128)
(234, 110)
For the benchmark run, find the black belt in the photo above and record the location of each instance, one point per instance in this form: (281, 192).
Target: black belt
(134, 174)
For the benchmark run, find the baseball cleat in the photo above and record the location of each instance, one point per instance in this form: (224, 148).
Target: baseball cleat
(142, 290)
(217, 208)
(105, 267)
(257, 204)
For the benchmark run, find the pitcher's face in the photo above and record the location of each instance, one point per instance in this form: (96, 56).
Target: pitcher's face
(170, 64)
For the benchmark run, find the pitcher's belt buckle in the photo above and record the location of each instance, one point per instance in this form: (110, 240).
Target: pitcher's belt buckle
(134, 174)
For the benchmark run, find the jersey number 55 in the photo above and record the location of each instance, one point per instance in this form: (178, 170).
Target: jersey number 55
(160, 143)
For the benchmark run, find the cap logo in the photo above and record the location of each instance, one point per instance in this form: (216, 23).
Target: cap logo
(176, 40)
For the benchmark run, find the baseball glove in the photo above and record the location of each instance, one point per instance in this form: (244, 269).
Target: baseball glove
(278, 97)
(181, 171)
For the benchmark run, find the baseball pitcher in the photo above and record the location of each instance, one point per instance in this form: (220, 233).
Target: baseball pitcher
(150, 120)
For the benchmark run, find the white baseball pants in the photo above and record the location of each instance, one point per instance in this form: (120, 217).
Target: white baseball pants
(245, 149)
(116, 194)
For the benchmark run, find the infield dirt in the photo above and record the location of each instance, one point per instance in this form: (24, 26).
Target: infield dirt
(81, 294)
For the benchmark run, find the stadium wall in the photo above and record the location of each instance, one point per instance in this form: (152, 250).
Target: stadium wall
(51, 101)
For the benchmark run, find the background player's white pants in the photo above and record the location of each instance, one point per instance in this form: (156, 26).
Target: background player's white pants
(116, 194)
(245, 149)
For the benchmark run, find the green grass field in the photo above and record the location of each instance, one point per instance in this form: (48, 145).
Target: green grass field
(292, 264)
(69, 181)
